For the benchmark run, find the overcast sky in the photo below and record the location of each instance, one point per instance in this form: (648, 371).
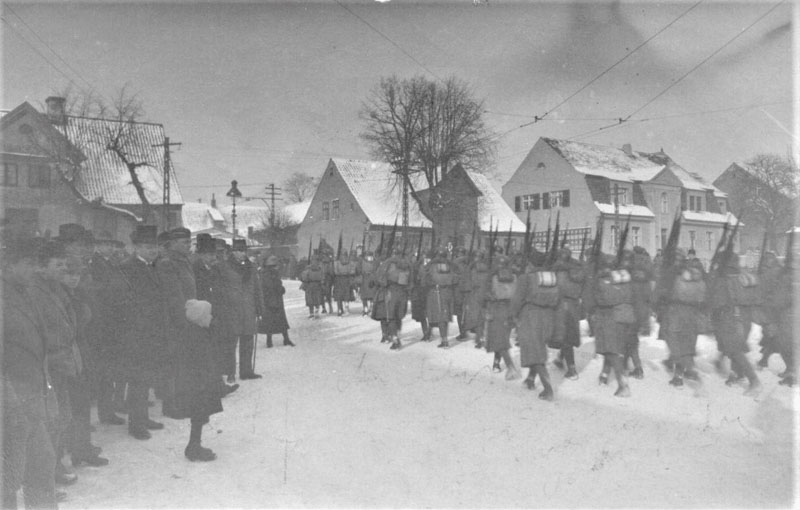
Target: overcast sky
(255, 92)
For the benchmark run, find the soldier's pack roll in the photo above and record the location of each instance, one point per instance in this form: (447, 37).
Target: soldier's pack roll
(542, 289)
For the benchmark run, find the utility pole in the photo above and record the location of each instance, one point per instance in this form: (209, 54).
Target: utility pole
(617, 192)
(166, 178)
(273, 193)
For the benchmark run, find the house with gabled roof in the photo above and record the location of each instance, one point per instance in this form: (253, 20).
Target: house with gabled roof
(57, 169)
(583, 182)
(358, 200)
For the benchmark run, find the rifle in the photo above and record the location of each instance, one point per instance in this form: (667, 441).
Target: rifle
(553, 250)
(598, 243)
(667, 280)
(526, 249)
(472, 242)
(309, 249)
(508, 238)
(339, 247)
(623, 239)
(726, 255)
(379, 250)
(583, 244)
(712, 266)
(350, 253)
(390, 244)
(547, 238)
(419, 245)
(763, 248)
(364, 243)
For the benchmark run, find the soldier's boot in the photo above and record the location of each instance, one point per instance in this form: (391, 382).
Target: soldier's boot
(286, 340)
(544, 376)
(496, 363)
(603, 379)
(677, 378)
(384, 332)
(269, 341)
(637, 373)
(571, 373)
(445, 343)
(530, 381)
(396, 345)
(623, 390)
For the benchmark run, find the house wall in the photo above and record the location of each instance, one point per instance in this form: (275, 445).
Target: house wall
(556, 175)
(454, 221)
(663, 217)
(351, 223)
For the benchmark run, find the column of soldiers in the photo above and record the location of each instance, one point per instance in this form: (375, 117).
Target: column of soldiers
(545, 294)
(86, 319)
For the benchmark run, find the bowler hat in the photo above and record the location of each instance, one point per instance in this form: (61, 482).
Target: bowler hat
(220, 244)
(144, 234)
(206, 244)
(239, 245)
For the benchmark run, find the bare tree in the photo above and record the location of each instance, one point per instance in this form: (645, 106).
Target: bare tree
(70, 142)
(282, 232)
(299, 187)
(426, 126)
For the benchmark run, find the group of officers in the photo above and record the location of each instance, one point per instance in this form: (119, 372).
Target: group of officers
(543, 296)
(88, 319)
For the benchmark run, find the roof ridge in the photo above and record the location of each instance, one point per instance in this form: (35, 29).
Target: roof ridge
(144, 123)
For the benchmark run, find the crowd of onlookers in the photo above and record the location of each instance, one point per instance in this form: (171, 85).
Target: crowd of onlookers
(88, 319)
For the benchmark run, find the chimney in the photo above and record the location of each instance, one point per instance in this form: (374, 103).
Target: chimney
(55, 110)
(213, 201)
(627, 149)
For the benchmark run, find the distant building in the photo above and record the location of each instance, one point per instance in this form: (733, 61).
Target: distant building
(358, 200)
(741, 185)
(463, 199)
(585, 181)
(40, 190)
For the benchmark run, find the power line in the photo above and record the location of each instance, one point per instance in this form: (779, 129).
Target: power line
(537, 118)
(76, 73)
(409, 55)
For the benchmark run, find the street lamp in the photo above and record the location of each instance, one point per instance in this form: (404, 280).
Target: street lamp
(234, 193)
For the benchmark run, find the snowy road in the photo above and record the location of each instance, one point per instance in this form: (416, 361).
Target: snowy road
(342, 421)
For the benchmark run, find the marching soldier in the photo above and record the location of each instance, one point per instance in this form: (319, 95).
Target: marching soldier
(570, 276)
(418, 294)
(642, 277)
(393, 278)
(312, 279)
(366, 269)
(498, 291)
(475, 279)
(440, 280)
(460, 289)
(344, 272)
(534, 307)
(197, 391)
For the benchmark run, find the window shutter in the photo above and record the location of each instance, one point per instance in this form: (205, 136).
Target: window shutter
(517, 204)
(565, 198)
(683, 200)
(535, 201)
(545, 200)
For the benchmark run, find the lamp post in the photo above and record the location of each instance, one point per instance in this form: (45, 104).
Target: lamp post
(234, 193)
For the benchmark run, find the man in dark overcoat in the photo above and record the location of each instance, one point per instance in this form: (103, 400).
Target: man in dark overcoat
(273, 320)
(391, 300)
(441, 283)
(197, 392)
(142, 357)
(28, 455)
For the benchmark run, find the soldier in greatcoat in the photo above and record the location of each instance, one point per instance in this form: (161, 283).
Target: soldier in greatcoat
(142, 359)
(418, 295)
(475, 279)
(780, 305)
(312, 279)
(103, 330)
(499, 288)
(534, 307)
(197, 391)
(642, 278)
(571, 276)
(460, 290)
(344, 271)
(28, 456)
(391, 300)
(613, 319)
(273, 320)
(727, 292)
(366, 269)
(771, 272)
(681, 300)
(440, 280)
(326, 260)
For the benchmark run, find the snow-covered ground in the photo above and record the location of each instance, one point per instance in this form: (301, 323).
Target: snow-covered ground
(341, 421)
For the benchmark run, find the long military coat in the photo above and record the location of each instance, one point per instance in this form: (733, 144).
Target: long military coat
(103, 330)
(273, 320)
(197, 388)
(536, 324)
(243, 293)
(391, 299)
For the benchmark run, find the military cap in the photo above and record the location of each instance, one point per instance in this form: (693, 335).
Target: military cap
(163, 238)
(180, 233)
(144, 234)
(239, 245)
(206, 244)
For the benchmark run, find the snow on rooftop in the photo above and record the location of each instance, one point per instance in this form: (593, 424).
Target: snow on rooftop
(256, 216)
(296, 213)
(708, 216)
(609, 162)
(625, 210)
(197, 216)
(373, 186)
(492, 208)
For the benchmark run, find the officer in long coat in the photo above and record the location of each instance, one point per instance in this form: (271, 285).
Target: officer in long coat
(273, 320)
(143, 359)
(28, 456)
(391, 300)
(197, 391)
(246, 290)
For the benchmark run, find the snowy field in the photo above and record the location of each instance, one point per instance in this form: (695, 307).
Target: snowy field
(341, 421)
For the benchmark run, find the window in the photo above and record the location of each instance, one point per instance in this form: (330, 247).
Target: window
(614, 237)
(721, 204)
(517, 204)
(335, 209)
(622, 196)
(635, 236)
(710, 241)
(559, 198)
(545, 200)
(664, 203)
(691, 203)
(326, 211)
(39, 176)
(663, 238)
(530, 201)
(695, 203)
(692, 238)
(10, 174)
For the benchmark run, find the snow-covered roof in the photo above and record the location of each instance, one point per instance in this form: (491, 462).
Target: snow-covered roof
(492, 208)
(691, 180)
(104, 175)
(224, 234)
(604, 161)
(198, 216)
(372, 184)
(625, 210)
(710, 217)
(256, 216)
(296, 213)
